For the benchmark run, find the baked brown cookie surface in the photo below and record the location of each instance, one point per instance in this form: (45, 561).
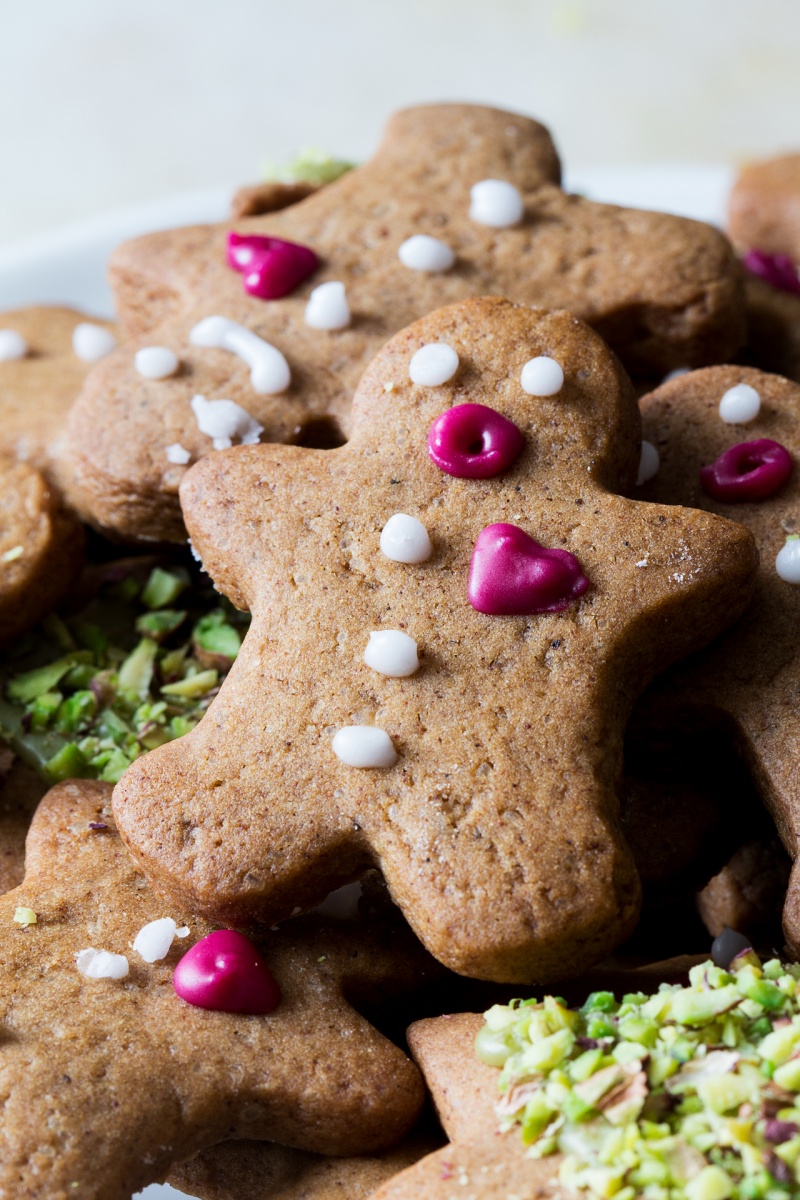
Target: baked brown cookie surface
(41, 548)
(662, 290)
(107, 1081)
(491, 808)
(764, 207)
(750, 676)
(773, 329)
(38, 387)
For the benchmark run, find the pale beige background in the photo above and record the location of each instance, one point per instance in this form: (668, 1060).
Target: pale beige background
(106, 103)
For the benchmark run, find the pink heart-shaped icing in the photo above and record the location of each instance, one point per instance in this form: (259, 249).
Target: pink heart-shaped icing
(511, 575)
(271, 266)
(224, 971)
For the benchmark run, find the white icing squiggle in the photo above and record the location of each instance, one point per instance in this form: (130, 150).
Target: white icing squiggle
(269, 370)
(223, 420)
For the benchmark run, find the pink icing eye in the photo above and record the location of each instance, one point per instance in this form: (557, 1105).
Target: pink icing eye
(472, 441)
(777, 269)
(224, 971)
(271, 267)
(749, 471)
(511, 575)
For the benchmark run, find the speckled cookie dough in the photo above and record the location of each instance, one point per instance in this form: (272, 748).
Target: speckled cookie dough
(458, 201)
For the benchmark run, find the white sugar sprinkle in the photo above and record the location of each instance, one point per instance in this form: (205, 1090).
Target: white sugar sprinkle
(155, 362)
(101, 964)
(223, 420)
(433, 365)
(176, 453)
(425, 253)
(92, 342)
(497, 203)
(12, 345)
(153, 941)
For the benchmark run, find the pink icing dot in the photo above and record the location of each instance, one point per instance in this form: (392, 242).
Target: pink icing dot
(472, 441)
(224, 971)
(777, 269)
(271, 267)
(749, 471)
(512, 575)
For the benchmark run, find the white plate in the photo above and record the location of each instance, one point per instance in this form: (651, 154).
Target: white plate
(68, 266)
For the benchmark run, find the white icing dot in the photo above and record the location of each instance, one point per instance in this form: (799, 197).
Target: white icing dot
(675, 373)
(497, 203)
(269, 370)
(740, 404)
(177, 454)
(787, 563)
(649, 462)
(392, 652)
(12, 345)
(155, 362)
(223, 420)
(433, 365)
(101, 964)
(542, 376)
(424, 253)
(153, 941)
(92, 342)
(404, 539)
(327, 307)
(364, 746)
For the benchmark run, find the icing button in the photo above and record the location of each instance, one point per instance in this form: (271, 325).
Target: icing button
(392, 652)
(472, 441)
(433, 365)
(542, 376)
(513, 575)
(224, 971)
(740, 405)
(12, 345)
(749, 471)
(497, 203)
(404, 539)
(271, 266)
(424, 253)
(364, 746)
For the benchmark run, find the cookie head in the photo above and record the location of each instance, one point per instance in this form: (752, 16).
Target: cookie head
(482, 782)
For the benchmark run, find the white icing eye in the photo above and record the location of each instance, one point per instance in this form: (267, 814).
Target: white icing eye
(497, 203)
(787, 563)
(364, 746)
(649, 462)
(392, 652)
(223, 420)
(542, 376)
(433, 365)
(327, 307)
(92, 342)
(404, 539)
(101, 964)
(269, 370)
(12, 345)
(424, 253)
(155, 362)
(740, 404)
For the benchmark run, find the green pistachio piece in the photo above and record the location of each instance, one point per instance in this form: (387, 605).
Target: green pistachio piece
(28, 686)
(136, 672)
(164, 587)
(68, 763)
(193, 686)
(159, 625)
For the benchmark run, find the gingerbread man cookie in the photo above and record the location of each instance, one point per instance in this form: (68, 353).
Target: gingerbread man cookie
(728, 438)
(451, 615)
(459, 201)
(95, 1000)
(41, 548)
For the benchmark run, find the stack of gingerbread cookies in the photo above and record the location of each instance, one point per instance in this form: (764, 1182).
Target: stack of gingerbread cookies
(516, 703)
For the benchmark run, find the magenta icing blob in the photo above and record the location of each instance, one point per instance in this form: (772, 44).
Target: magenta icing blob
(271, 267)
(472, 441)
(777, 269)
(224, 971)
(749, 471)
(511, 575)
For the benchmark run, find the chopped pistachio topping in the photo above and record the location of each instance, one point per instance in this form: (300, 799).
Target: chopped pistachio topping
(309, 166)
(25, 916)
(85, 695)
(691, 1093)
